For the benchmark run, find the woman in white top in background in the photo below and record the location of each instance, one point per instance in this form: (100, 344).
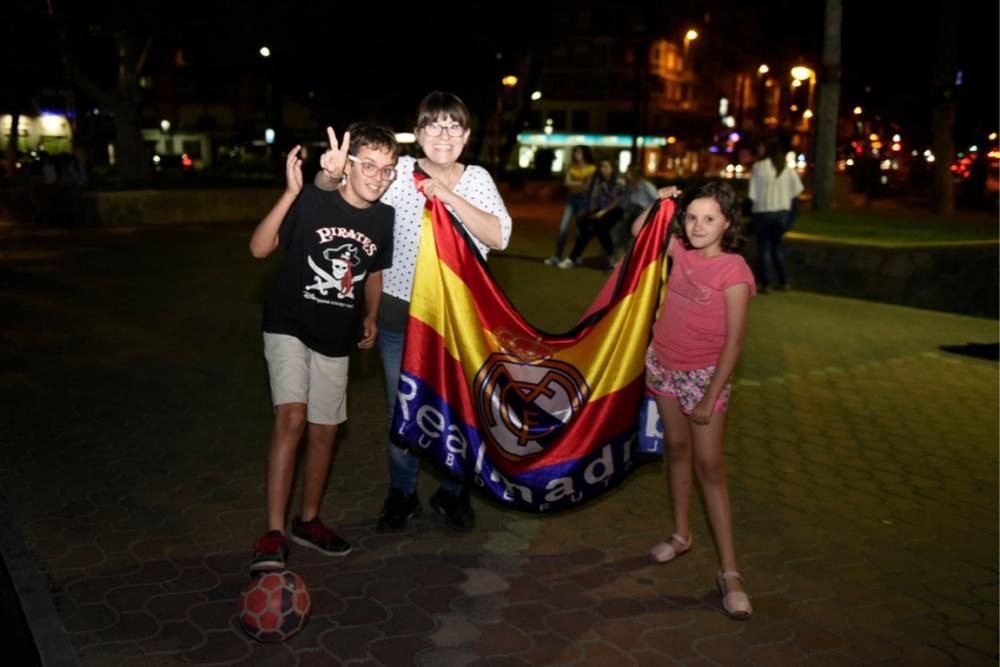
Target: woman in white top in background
(774, 188)
(471, 195)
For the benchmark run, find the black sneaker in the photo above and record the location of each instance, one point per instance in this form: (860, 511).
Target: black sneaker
(315, 535)
(455, 508)
(397, 509)
(269, 552)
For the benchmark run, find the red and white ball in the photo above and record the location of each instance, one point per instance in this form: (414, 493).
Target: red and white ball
(274, 606)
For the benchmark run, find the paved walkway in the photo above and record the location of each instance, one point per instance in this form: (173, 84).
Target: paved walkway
(863, 465)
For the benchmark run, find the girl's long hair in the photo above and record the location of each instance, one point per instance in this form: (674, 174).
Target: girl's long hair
(723, 193)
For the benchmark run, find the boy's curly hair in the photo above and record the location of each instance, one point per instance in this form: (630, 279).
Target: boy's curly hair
(733, 239)
(376, 136)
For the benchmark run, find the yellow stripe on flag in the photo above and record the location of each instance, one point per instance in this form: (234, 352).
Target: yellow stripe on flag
(605, 355)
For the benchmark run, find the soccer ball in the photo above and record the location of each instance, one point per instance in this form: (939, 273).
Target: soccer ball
(274, 606)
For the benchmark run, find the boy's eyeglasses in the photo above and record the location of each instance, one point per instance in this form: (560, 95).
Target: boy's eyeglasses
(370, 168)
(434, 130)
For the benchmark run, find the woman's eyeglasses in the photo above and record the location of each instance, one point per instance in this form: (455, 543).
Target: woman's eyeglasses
(434, 130)
(370, 168)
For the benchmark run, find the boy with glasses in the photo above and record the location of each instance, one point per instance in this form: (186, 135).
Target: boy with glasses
(336, 242)
(469, 193)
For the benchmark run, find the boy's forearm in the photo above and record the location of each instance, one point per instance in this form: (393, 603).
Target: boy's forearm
(325, 181)
(373, 294)
(264, 239)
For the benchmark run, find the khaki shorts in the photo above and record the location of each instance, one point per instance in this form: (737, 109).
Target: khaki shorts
(300, 375)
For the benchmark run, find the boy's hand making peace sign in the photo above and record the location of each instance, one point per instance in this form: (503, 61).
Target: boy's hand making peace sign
(334, 160)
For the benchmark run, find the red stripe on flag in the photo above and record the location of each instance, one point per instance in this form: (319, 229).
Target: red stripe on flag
(599, 422)
(427, 357)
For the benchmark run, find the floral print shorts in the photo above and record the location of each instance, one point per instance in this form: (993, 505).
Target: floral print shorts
(688, 387)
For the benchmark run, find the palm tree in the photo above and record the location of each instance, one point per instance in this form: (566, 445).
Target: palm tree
(829, 107)
(943, 108)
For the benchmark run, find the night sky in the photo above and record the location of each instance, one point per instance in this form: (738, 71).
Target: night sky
(377, 60)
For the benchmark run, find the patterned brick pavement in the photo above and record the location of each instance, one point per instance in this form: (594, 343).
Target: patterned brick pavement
(862, 462)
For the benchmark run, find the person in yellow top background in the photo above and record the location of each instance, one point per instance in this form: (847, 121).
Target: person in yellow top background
(578, 176)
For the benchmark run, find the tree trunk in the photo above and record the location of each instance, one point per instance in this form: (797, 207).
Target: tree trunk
(10, 161)
(829, 108)
(944, 109)
(130, 151)
(124, 99)
(133, 163)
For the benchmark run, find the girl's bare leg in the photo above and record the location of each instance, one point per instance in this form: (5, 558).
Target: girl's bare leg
(709, 465)
(678, 445)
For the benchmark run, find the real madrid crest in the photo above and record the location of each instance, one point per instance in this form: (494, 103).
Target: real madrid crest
(525, 403)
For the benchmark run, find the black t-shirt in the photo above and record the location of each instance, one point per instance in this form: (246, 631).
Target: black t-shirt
(330, 248)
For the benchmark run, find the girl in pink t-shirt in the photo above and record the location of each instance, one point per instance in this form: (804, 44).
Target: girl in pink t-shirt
(697, 340)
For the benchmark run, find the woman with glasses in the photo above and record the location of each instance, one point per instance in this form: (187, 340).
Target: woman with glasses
(468, 191)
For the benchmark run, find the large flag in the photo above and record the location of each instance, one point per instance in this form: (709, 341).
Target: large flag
(542, 422)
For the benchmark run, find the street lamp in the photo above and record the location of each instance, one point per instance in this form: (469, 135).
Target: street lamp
(508, 82)
(689, 37)
(801, 74)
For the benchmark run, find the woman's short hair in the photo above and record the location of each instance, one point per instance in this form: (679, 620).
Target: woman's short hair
(439, 104)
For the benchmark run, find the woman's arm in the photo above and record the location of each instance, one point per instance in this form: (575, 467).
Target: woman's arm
(617, 198)
(577, 185)
(737, 301)
(491, 224)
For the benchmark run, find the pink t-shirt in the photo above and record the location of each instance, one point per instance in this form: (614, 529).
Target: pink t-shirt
(691, 329)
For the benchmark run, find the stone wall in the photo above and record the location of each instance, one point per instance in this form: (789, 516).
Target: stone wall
(178, 206)
(957, 278)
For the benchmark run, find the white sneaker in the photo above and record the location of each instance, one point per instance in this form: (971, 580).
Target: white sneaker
(552, 261)
(566, 264)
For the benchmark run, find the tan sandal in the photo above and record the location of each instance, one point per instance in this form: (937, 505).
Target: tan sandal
(736, 603)
(664, 552)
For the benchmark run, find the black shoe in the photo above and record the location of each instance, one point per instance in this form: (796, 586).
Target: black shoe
(315, 535)
(455, 508)
(397, 509)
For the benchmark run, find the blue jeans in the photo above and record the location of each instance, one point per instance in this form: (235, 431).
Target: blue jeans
(575, 205)
(769, 228)
(403, 464)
